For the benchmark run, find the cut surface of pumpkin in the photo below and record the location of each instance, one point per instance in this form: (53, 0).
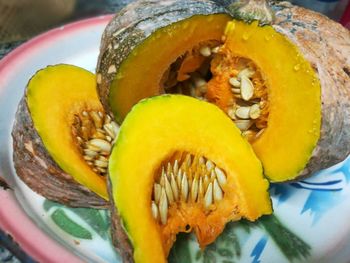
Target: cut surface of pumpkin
(165, 49)
(71, 123)
(253, 73)
(192, 170)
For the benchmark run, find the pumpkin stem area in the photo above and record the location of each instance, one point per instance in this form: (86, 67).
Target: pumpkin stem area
(94, 133)
(212, 73)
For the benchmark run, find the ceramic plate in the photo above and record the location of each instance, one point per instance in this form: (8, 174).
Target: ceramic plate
(310, 223)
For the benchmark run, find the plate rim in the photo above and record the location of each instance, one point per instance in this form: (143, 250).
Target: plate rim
(10, 208)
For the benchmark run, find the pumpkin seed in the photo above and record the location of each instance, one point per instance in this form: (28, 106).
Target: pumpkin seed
(209, 164)
(208, 197)
(231, 114)
(101, 144)
(157, 190)
(242, 112)
(179, 178)
(220, 175)
(93, 148)
(176, 167)
(90, 153)
(168, 190)
(102, 170)
(247, 88)
(109, 129)
(235, 82)
(174, 187)
(96, 119)
(100, 163)
(200, 189)
(88, 158)
(215, 50)
(212, 176)
(163, 207)
(243, 125)
(206, 181)
(218, 195)
(236, 92)
(194, 189)
(154, 210)
(254, 112)
(79, 139)
(205, 51)
(247, 72)
(184, 187)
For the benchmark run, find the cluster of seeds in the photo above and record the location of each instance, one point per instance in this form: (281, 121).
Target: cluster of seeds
(247, 109)
(249, 104)
(188, 178)
(95, 134)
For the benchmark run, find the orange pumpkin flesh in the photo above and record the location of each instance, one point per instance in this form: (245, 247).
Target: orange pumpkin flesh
(166, 49)
(196, 145)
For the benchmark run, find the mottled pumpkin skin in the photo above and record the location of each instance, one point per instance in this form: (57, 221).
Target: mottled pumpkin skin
(132, 25)
(35, 166)
(326, 45)
(33, 162)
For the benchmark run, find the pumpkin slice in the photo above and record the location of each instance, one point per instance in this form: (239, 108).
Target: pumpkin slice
(253, 73)
(180, 164)
(62, 137)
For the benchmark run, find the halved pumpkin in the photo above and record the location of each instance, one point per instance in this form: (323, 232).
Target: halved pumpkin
(180, 164)
(60, 141)
(253, 73)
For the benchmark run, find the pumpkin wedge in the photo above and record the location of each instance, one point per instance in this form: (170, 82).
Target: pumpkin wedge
(266, 78)
(60, 137)
(180, 164)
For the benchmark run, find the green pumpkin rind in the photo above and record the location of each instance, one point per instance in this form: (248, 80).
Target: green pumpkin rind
(132, 25)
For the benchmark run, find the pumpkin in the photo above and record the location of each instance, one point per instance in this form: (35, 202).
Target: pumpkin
(173, 57)
(192, 170)
(60, 137)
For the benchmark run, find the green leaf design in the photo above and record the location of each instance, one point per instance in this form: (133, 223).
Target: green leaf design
(224, 252)
(180, 252)
(94, 218)
(69, 226)
(290, 244)
(98, 220)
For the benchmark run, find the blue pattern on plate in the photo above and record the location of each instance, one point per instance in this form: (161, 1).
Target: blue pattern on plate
(258, 249)
(326, 189)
